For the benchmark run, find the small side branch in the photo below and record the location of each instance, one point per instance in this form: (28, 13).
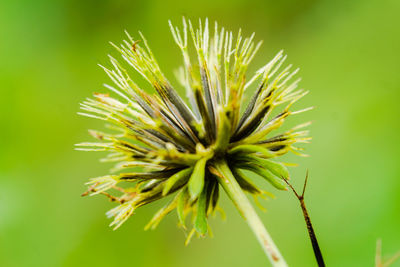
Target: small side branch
(378, 257)
(311, 233)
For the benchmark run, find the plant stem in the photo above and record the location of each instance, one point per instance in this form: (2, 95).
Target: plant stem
(313, 237)
(310, 228)
(236, 194)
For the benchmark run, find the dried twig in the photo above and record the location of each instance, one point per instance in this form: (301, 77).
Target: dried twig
(311, 233)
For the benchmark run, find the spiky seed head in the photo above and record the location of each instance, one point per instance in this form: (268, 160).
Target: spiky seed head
(165, 144)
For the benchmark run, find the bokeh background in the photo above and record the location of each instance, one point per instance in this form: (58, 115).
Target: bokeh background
(348, 52)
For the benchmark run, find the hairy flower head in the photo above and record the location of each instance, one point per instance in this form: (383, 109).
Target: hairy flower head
(165, 144)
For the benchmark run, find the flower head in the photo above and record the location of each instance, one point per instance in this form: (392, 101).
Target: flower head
(165, 144)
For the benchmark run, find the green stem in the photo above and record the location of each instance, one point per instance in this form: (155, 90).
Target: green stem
(236, 194)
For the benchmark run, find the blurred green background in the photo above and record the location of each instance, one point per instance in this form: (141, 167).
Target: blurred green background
(348, 52)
